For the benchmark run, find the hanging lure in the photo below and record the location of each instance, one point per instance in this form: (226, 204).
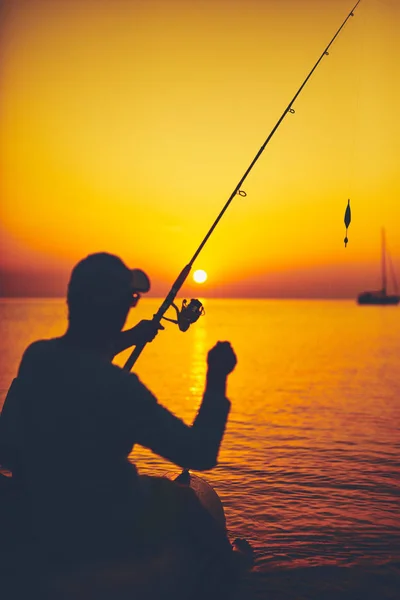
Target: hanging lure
(347, 221)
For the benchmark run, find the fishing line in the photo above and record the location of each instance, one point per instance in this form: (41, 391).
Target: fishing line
(189, 313)
(350, 169)
(356, 121)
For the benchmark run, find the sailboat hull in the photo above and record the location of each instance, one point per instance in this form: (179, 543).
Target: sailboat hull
(377, 298)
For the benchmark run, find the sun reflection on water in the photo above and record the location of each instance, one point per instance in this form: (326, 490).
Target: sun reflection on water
(198, 363)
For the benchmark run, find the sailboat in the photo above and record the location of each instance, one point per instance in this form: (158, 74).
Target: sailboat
(381, 296)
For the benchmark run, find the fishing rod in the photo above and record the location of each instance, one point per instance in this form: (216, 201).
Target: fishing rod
(190, 312)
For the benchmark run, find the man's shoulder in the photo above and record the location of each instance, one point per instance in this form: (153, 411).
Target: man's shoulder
(42, 345)
(131, 385)
(40, 348)
(126, 378)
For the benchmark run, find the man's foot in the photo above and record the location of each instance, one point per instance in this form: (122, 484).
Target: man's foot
(244, 554)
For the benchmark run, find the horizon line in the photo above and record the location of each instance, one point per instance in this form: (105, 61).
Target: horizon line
(202, 297)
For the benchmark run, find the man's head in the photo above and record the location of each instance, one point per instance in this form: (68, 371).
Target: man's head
(101, 291)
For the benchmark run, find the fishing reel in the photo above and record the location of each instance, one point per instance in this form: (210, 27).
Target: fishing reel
(188, 314)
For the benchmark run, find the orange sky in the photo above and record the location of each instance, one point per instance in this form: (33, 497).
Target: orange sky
(126, 125)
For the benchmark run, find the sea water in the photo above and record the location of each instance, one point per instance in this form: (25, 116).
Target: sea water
(309, 468)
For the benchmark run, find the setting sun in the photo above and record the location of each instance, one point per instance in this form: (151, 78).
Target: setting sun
(200, 276)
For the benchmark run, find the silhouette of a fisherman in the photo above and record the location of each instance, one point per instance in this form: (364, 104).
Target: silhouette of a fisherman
(71, 419)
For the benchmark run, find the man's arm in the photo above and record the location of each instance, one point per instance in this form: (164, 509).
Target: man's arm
(194, 447)
(145, 331)
(11, 427)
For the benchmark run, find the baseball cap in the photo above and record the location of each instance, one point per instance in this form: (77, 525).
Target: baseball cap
(105, 278)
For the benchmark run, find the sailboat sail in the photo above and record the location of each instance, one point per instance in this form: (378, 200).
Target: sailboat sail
(381, 296)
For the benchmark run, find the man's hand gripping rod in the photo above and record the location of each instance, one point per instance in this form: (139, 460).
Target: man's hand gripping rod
(168, 302)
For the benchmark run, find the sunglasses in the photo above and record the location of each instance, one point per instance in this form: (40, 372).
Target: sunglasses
(135, 297)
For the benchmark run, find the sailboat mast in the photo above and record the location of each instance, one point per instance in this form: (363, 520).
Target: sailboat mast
(393, 274)
(383, 262)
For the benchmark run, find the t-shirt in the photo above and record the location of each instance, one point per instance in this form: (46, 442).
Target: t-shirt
(67, 427)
